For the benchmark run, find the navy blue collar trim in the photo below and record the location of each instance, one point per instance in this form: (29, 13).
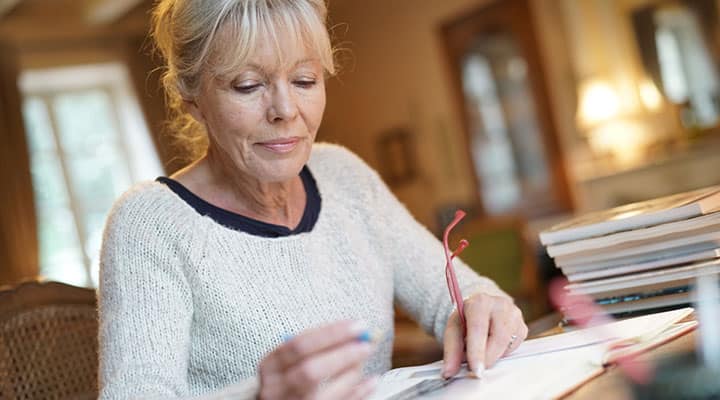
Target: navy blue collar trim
(249, 225)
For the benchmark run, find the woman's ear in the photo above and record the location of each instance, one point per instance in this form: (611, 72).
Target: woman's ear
(193, 109)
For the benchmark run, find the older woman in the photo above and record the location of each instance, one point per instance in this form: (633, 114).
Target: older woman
(257, 268)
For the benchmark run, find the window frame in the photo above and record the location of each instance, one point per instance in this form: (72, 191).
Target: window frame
(113, 79)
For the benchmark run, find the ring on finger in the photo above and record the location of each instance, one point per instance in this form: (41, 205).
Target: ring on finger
(513, 338)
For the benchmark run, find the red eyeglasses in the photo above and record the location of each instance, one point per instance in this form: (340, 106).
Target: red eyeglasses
(452, 282)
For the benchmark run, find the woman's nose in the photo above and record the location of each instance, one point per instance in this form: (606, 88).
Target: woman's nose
(283, 106)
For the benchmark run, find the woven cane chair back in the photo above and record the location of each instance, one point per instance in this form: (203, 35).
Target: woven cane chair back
(48, 342)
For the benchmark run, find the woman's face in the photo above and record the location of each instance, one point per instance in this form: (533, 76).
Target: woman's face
(264, 117)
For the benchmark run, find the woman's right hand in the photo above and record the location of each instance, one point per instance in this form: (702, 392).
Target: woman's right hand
(319, 363)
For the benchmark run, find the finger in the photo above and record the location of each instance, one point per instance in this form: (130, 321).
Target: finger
(365, 389)
(453, 346)
(521, 332)
(360, 391)
(477, 314)
(313, 341)
(342, 386)
(271, 385)
(313, 370)
(501, 331)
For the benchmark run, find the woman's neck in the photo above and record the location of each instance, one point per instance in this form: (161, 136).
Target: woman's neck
(216, 180)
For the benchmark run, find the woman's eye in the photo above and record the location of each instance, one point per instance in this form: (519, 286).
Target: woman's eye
(245, 89)
(305, 84)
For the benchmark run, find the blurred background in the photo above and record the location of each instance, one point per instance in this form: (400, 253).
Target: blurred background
(522, 112)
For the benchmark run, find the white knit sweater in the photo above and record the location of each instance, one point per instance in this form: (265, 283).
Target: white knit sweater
(189, 307)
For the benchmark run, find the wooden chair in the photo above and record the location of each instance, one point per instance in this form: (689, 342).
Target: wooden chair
(500, 250)
(48, 342)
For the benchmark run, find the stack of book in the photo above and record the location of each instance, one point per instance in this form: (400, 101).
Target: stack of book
(642, 256)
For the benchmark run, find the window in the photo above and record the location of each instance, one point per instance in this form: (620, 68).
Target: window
(686, 67)
(88, 143)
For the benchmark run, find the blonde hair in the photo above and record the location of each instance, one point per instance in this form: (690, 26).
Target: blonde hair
(185, 33)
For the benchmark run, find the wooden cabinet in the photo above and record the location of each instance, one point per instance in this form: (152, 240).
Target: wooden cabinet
(498, 78)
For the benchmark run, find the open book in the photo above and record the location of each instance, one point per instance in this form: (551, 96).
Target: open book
(548, 367)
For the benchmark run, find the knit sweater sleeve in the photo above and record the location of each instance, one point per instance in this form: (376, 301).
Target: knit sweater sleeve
(417, 259)
(418, 262)
(145, 305)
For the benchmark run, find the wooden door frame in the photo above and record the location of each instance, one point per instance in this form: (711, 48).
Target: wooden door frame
(514, 16)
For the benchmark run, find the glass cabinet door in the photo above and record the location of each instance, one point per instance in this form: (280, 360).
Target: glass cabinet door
(511, 137)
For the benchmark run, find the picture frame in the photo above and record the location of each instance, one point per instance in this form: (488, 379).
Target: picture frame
(396, 153)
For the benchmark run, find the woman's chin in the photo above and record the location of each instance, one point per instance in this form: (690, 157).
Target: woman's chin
(282, 166)
(280, 170)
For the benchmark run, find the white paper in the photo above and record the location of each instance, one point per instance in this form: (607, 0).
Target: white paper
(543, 376)
(540, 368)
(633, 329)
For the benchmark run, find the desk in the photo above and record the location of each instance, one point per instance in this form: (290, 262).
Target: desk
(613, 385)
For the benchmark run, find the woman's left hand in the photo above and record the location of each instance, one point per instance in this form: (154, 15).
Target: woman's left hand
(495, 327)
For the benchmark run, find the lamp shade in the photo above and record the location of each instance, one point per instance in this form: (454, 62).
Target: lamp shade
(599, 102)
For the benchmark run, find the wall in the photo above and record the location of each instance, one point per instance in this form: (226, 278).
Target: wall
(606, 27)
(395, 74)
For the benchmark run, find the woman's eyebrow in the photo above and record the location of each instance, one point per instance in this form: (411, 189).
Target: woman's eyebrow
(305, 60)
(265, 71)
(256, 67)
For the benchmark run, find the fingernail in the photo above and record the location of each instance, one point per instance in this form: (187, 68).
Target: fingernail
(358, 328)
(287, 338)
(479, 369)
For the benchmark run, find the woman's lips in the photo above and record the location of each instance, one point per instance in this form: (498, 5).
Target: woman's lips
(281, 145)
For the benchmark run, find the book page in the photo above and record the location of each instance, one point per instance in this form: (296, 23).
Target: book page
(563, 361)
(673, 332)
(561, 372)
(633, 329)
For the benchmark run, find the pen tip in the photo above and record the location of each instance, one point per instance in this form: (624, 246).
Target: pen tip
(370, 336)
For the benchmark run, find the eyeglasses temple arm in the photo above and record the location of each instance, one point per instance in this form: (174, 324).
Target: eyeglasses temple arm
(453, 286)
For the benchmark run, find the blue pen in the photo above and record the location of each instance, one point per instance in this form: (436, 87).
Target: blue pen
(364, 336)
